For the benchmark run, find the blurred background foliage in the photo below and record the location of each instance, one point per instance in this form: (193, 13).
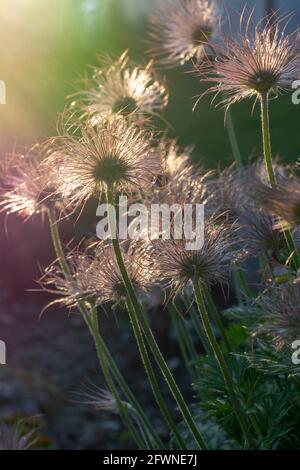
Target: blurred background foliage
(48, 44)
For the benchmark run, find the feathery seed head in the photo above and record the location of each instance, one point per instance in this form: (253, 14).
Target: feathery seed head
(261, 233)
(121, 88)
(105, 277)
(110, 155)
(180, 181)
(180, 30)
(177, 267)
(27, 188)
(282, 201)
(261, 62)
(226, 197)
(282, 312)
(17, 436)
(99, 398)
(96, 277)
(69, 290)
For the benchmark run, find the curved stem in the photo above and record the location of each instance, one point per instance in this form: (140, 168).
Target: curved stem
(233, 139)
(264, 101)
(83, 310)
(216, 317)
(57, 244)
(185, 343)
(130, 396)
(123, 409)
(198, 327)
(242, 419)
(147, 438)
(186, 333)
(140, 318)
(152, 379)
(292, 248)
(265, 121)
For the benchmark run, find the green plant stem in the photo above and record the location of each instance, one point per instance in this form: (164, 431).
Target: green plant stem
(123, 409)
(233, 139)
(292, 248)
(57, 244)
(237, 284)
(255, 425)
(130, 396)
(147, 438)
(151, 375)
(135, 406)
(186, 333)
(216, 316)
(240, 284)
(243, 282)
(198, 327)
(187, 353)
(140, 318)
(265, 119)
(82, 308)
(137, 330)
(241, 417)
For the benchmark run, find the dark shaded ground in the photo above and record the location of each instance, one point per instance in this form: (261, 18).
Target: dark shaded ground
(48, 358)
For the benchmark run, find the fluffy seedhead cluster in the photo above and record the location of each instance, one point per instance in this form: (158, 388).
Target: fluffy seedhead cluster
(121, 88)
(281, 312)
(98, 398)
(27, 189)
(210, 265)
(180, 30)
(111, 155)
(225, 196)
(262, 60)
(16, 437)
(180, 181)
(110, 147)
(282, 201)
(95, 276)
(262, 233)
(260, 230)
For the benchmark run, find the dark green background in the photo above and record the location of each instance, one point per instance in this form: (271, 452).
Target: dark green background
(47, 45)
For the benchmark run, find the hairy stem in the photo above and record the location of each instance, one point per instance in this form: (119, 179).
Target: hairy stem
(265, 121)
(130, 396)
(140, 318)
(151, 376)
(198, 326)
(186, 345)
(233, 139)
(264, 101)
(57, 244)
(241, 417)
(216, 317)
(123, 409)
(100, 343)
